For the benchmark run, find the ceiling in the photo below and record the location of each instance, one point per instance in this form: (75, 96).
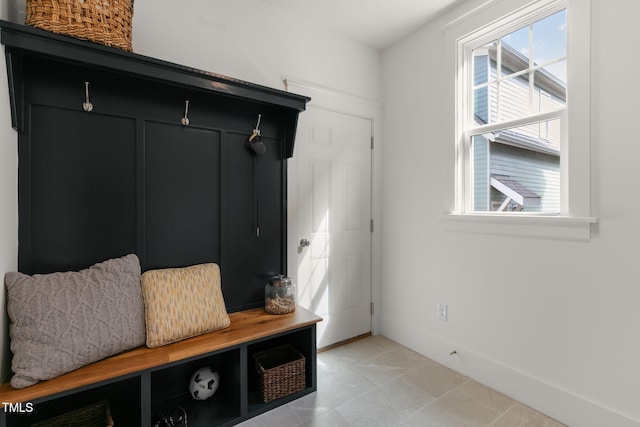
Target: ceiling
(375, 23)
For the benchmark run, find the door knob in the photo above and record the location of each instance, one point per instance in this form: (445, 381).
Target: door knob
(304, 243)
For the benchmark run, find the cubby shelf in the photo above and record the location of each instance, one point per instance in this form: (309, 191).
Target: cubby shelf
(155, 380)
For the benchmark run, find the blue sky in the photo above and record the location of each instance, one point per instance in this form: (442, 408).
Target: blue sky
(549, 41)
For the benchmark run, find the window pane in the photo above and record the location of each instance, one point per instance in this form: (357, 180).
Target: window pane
(509, 95)
(481, 105)
(482, 58)
(542, 136)
(480, 67)
(514, 97)
(515, 51)
(558, 71)
(517, 169)
(550, 92)
(480, 149)
(550, 38)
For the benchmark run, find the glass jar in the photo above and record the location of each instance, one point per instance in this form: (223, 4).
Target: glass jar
(280, 295)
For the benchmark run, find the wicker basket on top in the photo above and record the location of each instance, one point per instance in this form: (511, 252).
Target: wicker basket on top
(107, 22)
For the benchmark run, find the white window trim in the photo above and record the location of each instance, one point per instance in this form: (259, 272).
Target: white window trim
(575, 220)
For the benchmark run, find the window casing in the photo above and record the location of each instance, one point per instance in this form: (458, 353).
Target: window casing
(514, 108)
(554, 120)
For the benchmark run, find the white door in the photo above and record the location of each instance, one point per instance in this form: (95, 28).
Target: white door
(334, 222)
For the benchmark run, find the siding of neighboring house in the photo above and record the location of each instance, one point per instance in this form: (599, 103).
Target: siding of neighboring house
(481, 174)
(481, 96)
(480, 144)
(514, 97)
(514, 93)
(537, 171)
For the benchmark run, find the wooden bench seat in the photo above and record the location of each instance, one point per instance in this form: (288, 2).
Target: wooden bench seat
(245, 326)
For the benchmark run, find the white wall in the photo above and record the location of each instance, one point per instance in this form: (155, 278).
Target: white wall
(254, 41)
(552, 323)
(249, 40)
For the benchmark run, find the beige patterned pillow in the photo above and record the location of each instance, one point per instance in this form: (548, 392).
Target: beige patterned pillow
(183, 302)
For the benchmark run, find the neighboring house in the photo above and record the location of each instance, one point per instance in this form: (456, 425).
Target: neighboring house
(519, 168)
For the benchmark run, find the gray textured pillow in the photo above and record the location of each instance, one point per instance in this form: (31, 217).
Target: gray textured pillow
(62, 321)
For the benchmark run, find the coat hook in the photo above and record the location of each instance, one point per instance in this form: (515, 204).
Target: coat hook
(87, 105)
(255, 140)
(185, 119)
(257, 129)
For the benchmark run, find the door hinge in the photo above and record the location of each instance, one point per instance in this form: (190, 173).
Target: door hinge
(372, 226)
(372, 142)
(372, 309)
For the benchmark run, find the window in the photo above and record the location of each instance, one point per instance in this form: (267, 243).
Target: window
(522, 93)
(514, 112)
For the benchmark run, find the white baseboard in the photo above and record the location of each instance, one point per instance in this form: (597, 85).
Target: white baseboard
(551, 400)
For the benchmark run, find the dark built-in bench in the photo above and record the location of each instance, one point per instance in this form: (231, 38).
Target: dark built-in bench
(143, 381)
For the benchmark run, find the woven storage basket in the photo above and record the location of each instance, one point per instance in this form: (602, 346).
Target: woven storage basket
(107, 22)
(96, 415)
(281, 372)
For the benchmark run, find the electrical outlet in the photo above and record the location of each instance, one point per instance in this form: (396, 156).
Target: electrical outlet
(442, 312)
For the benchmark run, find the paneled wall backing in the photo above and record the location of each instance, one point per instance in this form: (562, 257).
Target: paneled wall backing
(129, 177)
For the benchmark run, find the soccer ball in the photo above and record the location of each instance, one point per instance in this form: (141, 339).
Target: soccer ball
(204, 383)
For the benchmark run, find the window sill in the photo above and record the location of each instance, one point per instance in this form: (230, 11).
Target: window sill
(554, 227)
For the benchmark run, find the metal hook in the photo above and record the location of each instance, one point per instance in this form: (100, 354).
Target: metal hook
(87, 105)
(255, 141)
(256, 131)
(185, 119)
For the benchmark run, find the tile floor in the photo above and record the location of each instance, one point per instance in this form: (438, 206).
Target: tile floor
(377, 382)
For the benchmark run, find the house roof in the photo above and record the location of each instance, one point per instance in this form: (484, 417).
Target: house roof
(515, 186)
(515, 191)
(514, 60)
(516, 139)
